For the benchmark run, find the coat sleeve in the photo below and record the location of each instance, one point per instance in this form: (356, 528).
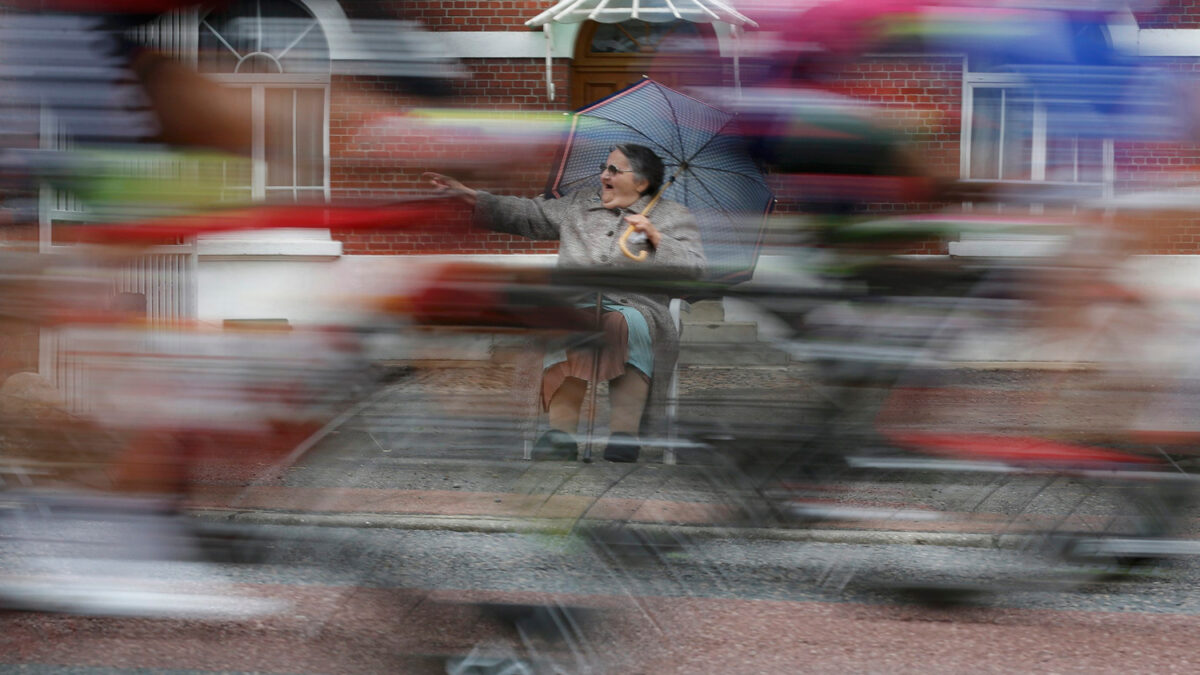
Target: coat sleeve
(679, 250)
(537, 218)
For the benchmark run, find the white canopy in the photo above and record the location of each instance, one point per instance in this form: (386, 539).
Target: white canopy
(654, 11)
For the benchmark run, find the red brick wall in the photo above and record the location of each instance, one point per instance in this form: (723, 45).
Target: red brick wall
(1162, 232)
(1141, 166)
(374, 156)
(1170, 14)
(1145, 165)
(513, 84)
(921, 96)
(369, 159)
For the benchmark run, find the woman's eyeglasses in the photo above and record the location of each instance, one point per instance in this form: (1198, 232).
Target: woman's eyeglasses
(612, 170)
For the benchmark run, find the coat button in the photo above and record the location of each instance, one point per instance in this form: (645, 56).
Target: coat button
(610, 233)
(603, 258)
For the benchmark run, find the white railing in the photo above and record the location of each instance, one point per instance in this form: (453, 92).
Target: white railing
(164, 276)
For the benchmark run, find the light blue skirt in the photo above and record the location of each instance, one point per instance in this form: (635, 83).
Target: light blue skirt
(641, 349)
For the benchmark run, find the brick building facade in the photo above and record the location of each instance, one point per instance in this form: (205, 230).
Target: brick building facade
(923, 95)
(365, 149)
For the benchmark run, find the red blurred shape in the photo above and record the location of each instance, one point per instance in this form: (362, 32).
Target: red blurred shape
(1012, 449)
(412, 215)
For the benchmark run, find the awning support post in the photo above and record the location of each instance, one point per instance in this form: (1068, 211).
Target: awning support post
(735, 35)
(549, 60)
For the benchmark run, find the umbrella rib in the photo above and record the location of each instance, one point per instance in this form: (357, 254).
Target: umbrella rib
(730, 172)
(675, 122)
(711, 137)
(717, 202)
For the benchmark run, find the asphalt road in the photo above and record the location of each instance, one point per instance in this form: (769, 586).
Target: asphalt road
(388, 601)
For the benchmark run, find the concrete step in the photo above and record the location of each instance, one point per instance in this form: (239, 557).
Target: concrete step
(750, 353)
(734, 332)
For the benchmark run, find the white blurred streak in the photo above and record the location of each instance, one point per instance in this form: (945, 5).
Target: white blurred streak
(73, 65)
(109, 555)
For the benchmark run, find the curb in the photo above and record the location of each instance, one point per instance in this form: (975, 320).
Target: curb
(493, 525)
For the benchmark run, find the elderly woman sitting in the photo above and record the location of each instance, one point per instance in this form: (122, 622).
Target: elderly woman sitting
(640, 339)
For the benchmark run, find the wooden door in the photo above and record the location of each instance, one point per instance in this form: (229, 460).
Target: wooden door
(610, 57)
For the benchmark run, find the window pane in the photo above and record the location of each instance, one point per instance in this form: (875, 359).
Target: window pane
(279, 137)
(237, 173)
(612, 39)
(310, 137)
(1018, 140)
(1061, 156)
(216, 53)
(281, 195)
(235, 195)
(631, 37)
(985, 133)
(1091, 160)
(310, 196)
(264, 36)
(679, 37)
(259, 63)
(239, 99)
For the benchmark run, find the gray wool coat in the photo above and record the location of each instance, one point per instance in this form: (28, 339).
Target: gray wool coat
(587, 233)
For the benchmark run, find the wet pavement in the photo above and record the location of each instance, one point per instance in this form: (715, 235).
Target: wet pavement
(442, 446)
(410, 535)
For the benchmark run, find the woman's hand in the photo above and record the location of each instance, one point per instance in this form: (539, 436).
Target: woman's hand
(642, 224)
(450, 187)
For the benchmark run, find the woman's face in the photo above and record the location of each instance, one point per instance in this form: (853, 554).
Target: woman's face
(619, 190)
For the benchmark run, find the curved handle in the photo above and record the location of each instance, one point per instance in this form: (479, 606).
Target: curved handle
(646, 211)
(641, 255)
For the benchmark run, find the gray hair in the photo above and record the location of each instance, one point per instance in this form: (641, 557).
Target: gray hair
(645, 164)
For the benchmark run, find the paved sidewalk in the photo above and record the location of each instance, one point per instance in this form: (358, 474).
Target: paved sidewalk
(441, 448)
(444, 445)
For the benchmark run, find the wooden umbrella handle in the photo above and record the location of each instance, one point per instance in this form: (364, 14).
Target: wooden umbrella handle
(641, 255)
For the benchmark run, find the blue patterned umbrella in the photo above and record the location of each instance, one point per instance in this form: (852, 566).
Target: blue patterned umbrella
(702, 149)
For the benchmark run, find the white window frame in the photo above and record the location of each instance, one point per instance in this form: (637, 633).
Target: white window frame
(1015, 245)
(972, 82)
(258, 85)
(292, 244)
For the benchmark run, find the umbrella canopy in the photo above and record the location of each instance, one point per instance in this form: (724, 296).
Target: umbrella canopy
(399, 215)
(701, 146)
